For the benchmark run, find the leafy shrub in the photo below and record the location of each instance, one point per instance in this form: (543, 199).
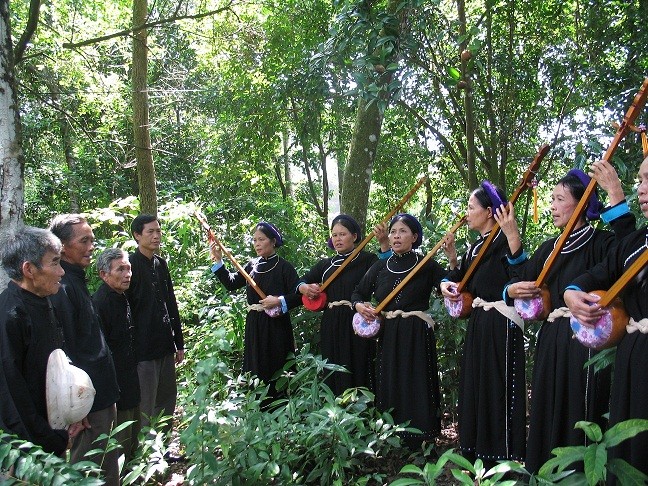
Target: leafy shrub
(468, 474)
(310, 436)
(22, 462)
(594, 456)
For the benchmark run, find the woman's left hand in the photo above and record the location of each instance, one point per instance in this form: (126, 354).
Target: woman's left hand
(450, 249)
(505, 217)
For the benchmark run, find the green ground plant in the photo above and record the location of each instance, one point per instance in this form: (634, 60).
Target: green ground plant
(22, 462)
(594, 457)
(467, 473)
(307, 437)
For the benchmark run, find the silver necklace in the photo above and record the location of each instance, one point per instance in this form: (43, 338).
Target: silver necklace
(256, 264)
(336, 263)
(403, 271)
(580, 234)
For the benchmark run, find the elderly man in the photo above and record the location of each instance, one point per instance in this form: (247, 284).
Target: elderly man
(84, 340)
(113, 308)
(28, 334)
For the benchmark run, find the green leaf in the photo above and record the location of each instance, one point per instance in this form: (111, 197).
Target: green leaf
(624, 430)
(595, 458)
(564, 457)
(406, 482)
(627, 474)
(462, 476)
(592, 430)
(411, 469)
(454, 73)
(461, 462)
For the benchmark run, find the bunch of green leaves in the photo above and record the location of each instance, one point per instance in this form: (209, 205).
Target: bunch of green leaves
(308, 436)
(22, 462)
(149, 464)
(594, 457)
(468, 474)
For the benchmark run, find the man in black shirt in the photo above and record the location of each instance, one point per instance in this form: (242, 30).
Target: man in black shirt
(159, 344)
(117, 324)
(28, 334)
(84, 342)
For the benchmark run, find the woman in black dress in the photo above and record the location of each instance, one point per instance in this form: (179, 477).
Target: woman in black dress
(562, 391)
(492, 396)
(630, 382)
(268, 340)
(339, 344)
(407, 379)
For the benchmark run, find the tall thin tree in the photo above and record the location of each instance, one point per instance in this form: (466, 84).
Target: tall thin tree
(141, 131)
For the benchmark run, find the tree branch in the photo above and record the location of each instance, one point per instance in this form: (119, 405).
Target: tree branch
(147, 25)
(30, 28)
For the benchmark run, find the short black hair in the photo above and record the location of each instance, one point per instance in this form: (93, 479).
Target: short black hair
(137, 226)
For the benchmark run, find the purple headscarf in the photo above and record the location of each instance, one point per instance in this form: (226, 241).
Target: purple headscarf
(594, 206)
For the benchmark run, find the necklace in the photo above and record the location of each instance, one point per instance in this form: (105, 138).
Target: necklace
(337, 262)
(255, 264)
(401, 256)
(577, 239)
(479, 242)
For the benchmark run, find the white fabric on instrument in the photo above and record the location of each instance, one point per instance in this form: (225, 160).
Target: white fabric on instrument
(641, 326)
(420, 314)
(500, 306)
(560, 312)
(255, 307)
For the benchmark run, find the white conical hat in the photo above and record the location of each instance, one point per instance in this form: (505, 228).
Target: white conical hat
(68, 391)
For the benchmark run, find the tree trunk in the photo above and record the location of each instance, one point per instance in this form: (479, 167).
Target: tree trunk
(141, 133)
(469, 127)
(286, 164)
(354, 190)
(11, 156)
(356, 182)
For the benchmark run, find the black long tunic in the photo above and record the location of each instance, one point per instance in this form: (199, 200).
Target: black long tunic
(339, 344)
(85, 344)
(492, 395)
(28, 334)
(268, 340)
(630, 383)
(562, 391)
(407, 377)
(117, 326)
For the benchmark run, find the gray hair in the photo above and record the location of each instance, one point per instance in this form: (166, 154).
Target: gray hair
(26, 244)
(109, 255)
(62, 225)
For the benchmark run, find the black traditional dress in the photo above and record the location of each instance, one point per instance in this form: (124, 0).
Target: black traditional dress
(268, 340)
(492, 395)
(339, 344)
(28, 334)
(407, 378)
(630, 383)
(562, 391)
